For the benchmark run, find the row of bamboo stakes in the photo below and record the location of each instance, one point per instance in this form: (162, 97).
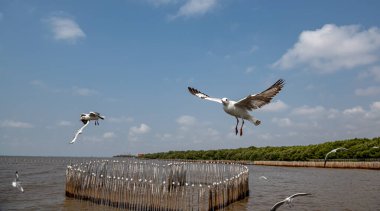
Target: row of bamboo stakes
(146, 185)
(320, 164)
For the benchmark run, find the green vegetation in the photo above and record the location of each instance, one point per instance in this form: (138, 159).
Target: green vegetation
(357, 149)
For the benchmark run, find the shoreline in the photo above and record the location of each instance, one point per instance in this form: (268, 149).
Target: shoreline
(372, 165)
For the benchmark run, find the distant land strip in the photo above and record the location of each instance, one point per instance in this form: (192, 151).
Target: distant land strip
(362, 153)
(375, 165)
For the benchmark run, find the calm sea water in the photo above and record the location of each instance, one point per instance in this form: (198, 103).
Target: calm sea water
(43, 179)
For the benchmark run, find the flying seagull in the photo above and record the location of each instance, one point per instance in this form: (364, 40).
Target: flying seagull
(17, 184)
(263, 177)
(91, 116)
(86, 118)
(241, 108)
(333, 151)
(288, 200)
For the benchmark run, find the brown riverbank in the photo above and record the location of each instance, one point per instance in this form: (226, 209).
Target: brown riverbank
(320, 164)
(352, 164)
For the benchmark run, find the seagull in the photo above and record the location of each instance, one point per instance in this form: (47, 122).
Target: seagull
(241, 108)
(17, 184)
(91, 116)
(333, 151)
(86, 118)
(288, 200)
(263, 177)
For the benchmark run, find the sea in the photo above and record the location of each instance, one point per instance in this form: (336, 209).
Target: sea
(43, 180)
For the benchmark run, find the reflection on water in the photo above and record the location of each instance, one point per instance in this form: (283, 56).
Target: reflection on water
(43, 179)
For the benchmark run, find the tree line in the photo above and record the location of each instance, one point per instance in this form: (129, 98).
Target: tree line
(358, 148)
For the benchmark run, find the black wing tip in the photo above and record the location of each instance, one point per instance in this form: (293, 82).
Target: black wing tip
(195, 91)
(192, 90)
(280, 82)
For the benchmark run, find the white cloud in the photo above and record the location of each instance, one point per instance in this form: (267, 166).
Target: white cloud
(274, 106)
(66, 29)
(64, 123)
(164, 137)
(143, 129)
(109, 135)
(369, 91)
(120, 119)
(354, 110)
(195, 8)
(333, 48)
(161, 2)
(375, 106)
(309, 111)
(186, 120)
(282, 122)
(84, 91)
(15, 124)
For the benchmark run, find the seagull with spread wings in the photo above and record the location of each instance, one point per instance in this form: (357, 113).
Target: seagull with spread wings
(86, 118)
(91, 116)
(288, 200)
(333, 151)
(241, 108)
(17, 184)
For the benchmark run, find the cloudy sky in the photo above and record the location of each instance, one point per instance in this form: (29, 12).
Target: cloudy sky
(132, 61)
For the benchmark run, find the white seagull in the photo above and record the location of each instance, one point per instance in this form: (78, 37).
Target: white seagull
(241, 108)
(288, 200)
(263, 177)
(333, 151)
(86, 118)
(17, 184)
(91, 116)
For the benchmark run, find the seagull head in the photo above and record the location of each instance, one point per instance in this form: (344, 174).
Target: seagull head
(225, 101)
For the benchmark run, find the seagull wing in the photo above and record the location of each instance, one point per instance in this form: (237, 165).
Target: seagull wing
(19, 187)
(341, 148)
(299, 194)
(277, 205)
(79, 132)
(258, 100)
(203, 95)
(332, 151)
(263, 177)
(94, 114)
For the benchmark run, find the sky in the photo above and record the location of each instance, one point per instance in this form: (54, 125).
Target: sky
(132, 61)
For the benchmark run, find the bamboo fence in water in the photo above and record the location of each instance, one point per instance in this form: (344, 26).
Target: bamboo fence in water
(146, 185)
(320, 164)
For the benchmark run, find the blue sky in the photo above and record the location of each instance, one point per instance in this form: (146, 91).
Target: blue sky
(132, 61)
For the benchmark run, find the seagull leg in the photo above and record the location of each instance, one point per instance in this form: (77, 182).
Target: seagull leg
(237, 123)
(241, 128)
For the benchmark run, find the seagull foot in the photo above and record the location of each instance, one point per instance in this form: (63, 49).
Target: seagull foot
(258, 122)
(236, 130)
(241, 131)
